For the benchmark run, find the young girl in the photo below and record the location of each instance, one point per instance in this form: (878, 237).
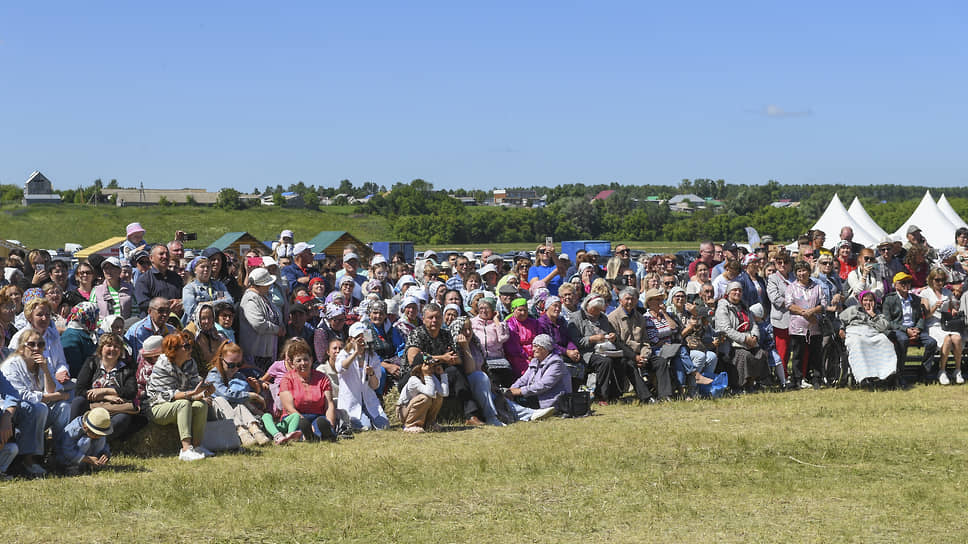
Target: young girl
(234, 397)
(422, 396)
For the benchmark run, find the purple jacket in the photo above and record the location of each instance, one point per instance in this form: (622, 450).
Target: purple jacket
(545, 379)
(558, 333)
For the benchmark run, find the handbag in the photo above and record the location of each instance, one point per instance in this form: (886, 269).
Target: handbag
(220, 435)
(573, 404)
(115, 408)
(952, 322)
(717, 387)
(498, 363)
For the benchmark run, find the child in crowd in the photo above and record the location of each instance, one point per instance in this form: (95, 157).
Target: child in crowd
(84, 442)
(422, 396)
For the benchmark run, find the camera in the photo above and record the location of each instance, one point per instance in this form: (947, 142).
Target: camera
(191, 236)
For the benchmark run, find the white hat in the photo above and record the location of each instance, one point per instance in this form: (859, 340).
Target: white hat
(487, 268)
(357, 329)
(564, 256)
(418, 293)
(378, 259)
(757, 310)
(261, 277)
(350, 256)
(286, 234)
(113, 261)
(300, 247)
(269, 261)
(407, 301)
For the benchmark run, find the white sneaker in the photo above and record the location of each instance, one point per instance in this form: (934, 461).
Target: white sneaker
(958, 378)
(190, 455)
(943, 378)
(804, 384)
(205, 451)
(542, 413)
(495, 422)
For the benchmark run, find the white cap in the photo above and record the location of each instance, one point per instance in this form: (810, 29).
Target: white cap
(350, 256)
(378, 259)
(357, 329)
(300, 247)
(286, 234)
(487, 268)
(565, 257)
(269, 261)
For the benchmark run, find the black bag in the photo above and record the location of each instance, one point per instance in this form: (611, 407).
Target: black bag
(952, 322)
(573, 404)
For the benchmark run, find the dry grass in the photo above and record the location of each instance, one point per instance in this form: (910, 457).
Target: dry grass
(828, 466)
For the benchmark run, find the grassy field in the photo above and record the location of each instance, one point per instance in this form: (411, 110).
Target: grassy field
(827, 466)
(52, 226)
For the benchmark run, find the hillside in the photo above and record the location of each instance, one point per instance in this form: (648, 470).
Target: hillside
(50, 226)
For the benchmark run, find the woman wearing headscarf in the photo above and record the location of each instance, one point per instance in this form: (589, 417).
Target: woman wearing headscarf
(79, 338)
(551, 323)
(207, 336)
(491, 334)
(734, 320)
(473, 359)
(545, 380)
(523, 329)
(331, 326)
(870, 352)
(203, 288)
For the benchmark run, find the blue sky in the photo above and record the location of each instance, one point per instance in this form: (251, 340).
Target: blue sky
(244, 95)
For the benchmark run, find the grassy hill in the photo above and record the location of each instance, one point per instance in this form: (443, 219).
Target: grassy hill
(50, 226)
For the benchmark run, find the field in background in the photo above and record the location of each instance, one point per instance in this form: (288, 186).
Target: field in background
(827, 466)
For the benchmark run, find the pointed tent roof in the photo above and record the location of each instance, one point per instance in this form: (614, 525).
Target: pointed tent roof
(835, 217)
(950, 212)
(935, 227)
(857, 211)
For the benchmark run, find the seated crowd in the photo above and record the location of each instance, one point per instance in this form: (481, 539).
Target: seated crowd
(291, 347)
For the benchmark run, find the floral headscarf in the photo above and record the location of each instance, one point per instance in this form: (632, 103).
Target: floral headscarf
(32, 293)
(85, 315)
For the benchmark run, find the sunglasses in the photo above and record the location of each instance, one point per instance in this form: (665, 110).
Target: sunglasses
(231, 365)
(623, 251)
(808, 255)
(37, 345)
(868, 259)
(668, 283)
(628, 275)
(824, 263)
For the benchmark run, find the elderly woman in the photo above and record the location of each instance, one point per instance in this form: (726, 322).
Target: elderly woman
(936, 300)
(601, 350)
(696, 335)
(736, 322)
(177, 394)
(492, 334)
(261, 324)
(43, 402)
(234, 397)
(533, 395)
(203, 288)
(37, 312)
(106, 380)
(869, 351)
(805, 301)
(554, 325)
(79, 337)
(472, 356)
(331, 326)
(663, 334)
(207, 336)
(387, 343)
(523, 329)
(358, 366)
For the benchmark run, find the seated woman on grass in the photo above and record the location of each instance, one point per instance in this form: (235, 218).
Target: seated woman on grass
(306, 395)
(234, 397)
(177, 394)
(106, 380)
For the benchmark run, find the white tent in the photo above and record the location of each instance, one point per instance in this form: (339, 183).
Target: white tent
(857, 211)
(935, 227)
(950, 213)
(835, 217)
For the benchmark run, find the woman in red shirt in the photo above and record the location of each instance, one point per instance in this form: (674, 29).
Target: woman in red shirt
(307, 400)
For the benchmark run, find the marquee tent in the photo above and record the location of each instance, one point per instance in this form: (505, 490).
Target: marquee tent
(950, 213)
(935, 226)
(835, 217)
(857, 211)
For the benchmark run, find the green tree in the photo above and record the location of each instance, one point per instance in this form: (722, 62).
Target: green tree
(190, 200)
(228, 199)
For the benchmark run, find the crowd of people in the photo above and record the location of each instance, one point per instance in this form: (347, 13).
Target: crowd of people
(291, 346)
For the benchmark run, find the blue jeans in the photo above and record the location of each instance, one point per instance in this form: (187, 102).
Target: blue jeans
(368, 423)
(683, 364)
(521, 413)
(314, 422)
(705, 362)
(33, 417)
(7, 454)
(481, 387)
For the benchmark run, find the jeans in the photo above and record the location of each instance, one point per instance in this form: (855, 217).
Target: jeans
(7, 454)
(705, 362)
(366, 422)
(481, 387)
(521, 413)
(33, 417)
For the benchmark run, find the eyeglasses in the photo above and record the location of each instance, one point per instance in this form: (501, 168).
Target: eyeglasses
(669, 262)
(868, 259)
(37, 345)
(808, 255)
(83, 273)
(628, 275)
(668, 283)
(162, 310)
(883, 249)
(231, 365)
(623, 251)
(938, 280)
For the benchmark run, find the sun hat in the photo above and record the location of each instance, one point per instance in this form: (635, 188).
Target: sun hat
(333, 310)
(357, 329)
(261, 277)
(734, 285)
(133, 228)
(407, 301)
(454, 307)
(345, 278)
(653, 293)
(151, 346)
(269, 261)
(913, 228)
(300, 247)
(98, 421)
(757, 310)
(417, 293)
(487, 269)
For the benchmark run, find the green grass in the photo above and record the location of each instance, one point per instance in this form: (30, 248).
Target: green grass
(50, 226)
(652, 247)
(828, 466)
